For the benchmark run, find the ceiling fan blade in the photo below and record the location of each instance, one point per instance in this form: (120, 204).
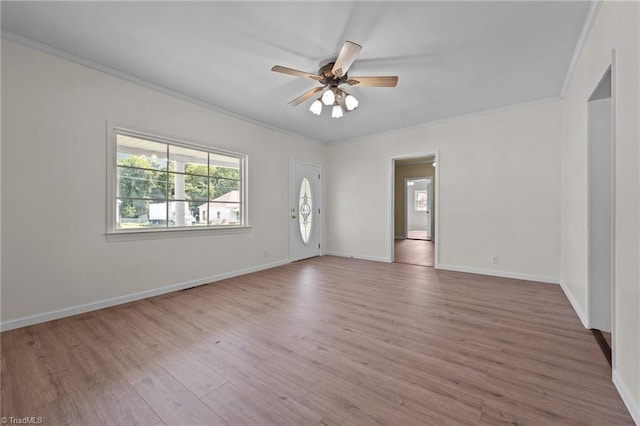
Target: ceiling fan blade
(296, 73)
(347, 55)
(387, 81)
(306, 95)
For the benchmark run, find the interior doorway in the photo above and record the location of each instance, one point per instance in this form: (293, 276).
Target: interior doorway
(600, 213)
(414, 213)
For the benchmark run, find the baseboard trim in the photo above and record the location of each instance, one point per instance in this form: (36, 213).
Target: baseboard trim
(357, 256)
(574, 303)
(80, 309)
(632, 405)
(502, 274)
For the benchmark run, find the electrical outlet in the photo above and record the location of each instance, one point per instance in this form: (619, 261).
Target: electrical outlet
(495, 260)
(266, 253)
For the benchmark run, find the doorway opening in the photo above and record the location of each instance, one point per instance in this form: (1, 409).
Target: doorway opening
(414, 214)
(600, 213)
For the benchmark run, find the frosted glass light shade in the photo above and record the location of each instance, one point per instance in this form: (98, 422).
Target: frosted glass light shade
(316, 107)
(328, 97)
(336, 112)
(351, 102)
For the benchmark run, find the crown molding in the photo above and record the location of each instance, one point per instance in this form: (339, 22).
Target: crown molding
(142, 82)
(449, 120)
(582, 40)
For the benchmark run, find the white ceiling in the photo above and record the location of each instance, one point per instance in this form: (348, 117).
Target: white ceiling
(452, 58)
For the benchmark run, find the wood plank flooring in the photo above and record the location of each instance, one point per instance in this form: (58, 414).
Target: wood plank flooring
(326, 341)
(417, 235)
(414, 252)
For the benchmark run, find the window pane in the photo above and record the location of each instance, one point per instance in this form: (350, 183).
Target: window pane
(180, 214)
(138, 183)
(221, 214)
(188, 160)
(224, 166)
(188, 187)
(225, 172)
(224, 190)
(196, 169)
(135, 152)
(140, 214)
(225, 161)
(200, 212)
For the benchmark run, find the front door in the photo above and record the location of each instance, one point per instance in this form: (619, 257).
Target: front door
(304, 211)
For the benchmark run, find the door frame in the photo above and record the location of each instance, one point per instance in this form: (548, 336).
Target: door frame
(609, 66)
(319, 205)
(391, 179)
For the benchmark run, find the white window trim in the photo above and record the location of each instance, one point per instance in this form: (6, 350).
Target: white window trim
(113, 233)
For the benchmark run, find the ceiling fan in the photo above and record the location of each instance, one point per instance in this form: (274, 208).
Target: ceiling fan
(331, 75)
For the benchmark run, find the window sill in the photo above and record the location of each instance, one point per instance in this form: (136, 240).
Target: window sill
(153, 234)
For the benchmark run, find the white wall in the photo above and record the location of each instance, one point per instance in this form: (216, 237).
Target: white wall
(55, 253)
(498, 191)
(615, 27)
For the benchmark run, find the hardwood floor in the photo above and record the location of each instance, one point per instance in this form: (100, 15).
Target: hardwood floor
(417, 235)
(414, 252)
(324, 341)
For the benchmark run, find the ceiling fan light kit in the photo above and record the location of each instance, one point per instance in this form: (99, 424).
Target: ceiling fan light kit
(336, 112)
(351, 102)
(328, 97)
(331, 75)
(340, 100)
(316, 107)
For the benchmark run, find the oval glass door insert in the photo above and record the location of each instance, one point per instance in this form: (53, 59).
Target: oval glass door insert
(305, 210)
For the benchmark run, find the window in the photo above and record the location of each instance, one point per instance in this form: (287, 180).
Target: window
(163, 184)
(421, 200)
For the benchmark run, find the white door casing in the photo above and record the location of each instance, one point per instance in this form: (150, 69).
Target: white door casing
(429, 207)
(304, 210)
(600, 205)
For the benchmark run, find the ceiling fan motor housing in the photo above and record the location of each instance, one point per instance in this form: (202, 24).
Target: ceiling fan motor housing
(329, 78)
